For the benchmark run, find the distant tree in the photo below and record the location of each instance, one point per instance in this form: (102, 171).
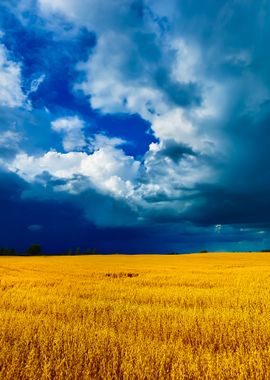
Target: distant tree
(70, 251)
(78, 251)
(34, 249)
(204, 251)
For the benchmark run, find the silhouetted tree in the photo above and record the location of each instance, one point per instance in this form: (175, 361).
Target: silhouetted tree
(34, 249)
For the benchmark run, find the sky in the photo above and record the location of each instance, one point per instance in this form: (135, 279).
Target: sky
(135, 126)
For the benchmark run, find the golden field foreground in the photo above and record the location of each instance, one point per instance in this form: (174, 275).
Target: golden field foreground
(201, 316)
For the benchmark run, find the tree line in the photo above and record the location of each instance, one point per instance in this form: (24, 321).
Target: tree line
(36, 249)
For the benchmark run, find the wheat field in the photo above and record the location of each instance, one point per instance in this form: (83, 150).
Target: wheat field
(200, 316)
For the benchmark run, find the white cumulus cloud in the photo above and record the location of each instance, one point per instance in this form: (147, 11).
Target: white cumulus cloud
(107, 169)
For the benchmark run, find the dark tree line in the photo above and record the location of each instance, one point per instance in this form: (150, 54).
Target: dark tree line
(7, 251)
(36, 249)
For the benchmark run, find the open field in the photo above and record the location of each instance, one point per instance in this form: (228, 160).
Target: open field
(204, 316)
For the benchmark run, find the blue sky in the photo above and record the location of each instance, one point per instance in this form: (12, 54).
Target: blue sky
(135, 125)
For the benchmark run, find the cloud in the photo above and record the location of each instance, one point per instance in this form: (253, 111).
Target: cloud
(101, 140)
(103, 14)
(35, 227)
(155, 74)
(151, 72)
(107, 169)
(72, 130)
(74, 137)
(9, 139)
(11, 94)
(36, 83)
(139, 77)
(142, 58)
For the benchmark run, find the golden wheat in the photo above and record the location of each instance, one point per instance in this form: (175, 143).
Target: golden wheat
(204, 316)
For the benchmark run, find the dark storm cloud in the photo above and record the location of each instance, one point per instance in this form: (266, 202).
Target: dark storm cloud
(242, 195)
(57, 223)
(234, 36)
(60, 225)
(217, 205)
(179, 94)
(18, 214)
(175, 151)
(145, 46)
